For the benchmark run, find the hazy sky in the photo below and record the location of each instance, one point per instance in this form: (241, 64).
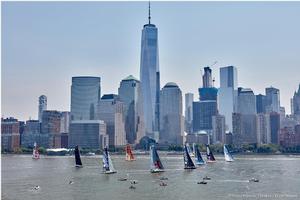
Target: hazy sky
(44, 44)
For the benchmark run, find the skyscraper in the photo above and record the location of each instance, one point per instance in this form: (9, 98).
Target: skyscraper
(171, 119)
(42, 106)
(296, 104)
(227, 94)
(273, 99)
(129, 93)
(206, 107)
(246, 101)
(85, 94)
(150, 77)
(206, 78)
(189, 98)
(111, 110)
(261, 101)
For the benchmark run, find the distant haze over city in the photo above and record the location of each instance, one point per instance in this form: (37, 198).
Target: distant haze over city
(44, 44)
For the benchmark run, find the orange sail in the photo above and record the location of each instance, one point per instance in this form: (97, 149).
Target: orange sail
(129, 154)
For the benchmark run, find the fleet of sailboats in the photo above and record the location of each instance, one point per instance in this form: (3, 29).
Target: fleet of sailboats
(227, 154)
(35, 152)
(155, 163)
(129, 154)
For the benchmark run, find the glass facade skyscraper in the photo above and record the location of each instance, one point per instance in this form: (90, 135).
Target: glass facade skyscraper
(85, 94)
(227, 94)
(150, 78)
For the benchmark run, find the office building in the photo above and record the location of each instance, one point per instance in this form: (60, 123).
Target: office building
(150, 78)
(85, 94)
(171, 119)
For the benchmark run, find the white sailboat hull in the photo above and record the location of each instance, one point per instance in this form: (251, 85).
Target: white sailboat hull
(156, 170)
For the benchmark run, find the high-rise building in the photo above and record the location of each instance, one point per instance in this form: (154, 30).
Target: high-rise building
(189, 98)
(244, 128)
(273, 100)
(42, 106)
(85, 94)
(171, 119)
(218, 125)
(263, 132)
(207, 78)
(10, 136)
(206, 107)
(246, 101)
(227, 94)
(65, 122)
(275, 127)
(150, 78)
(203, 111)
(50, 129)
(111, 110)
(261, 102)
(295, 103)
(129, 93)
(88, 134)
(31, 133)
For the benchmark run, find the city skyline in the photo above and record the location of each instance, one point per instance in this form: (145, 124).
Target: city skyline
(21, 88)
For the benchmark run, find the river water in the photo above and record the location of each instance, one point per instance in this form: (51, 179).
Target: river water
(279, 178)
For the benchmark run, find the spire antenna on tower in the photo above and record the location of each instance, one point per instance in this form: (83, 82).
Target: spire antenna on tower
(149, 17)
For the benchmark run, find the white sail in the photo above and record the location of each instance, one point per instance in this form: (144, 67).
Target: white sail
(35, 152)
(111, 166)
(227, 155)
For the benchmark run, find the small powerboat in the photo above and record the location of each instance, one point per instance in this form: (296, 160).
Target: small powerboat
(163, 178)
(71, 182)
(36, 187)
(122, 179)
(133, 182)
(206, 178)
(132, 187)
(202, 182)
(254, 180)
(163, 184)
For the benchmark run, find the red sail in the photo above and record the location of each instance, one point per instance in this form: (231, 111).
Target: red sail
(129, 154)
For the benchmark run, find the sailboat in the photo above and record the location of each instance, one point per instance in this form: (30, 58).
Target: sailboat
(227, 155)
(198, 157)
(108, 167)
(189, 150)
(35, 152)
(188, 162)
(78, 162)
(209, 155)
(155, 165)
(129, 154)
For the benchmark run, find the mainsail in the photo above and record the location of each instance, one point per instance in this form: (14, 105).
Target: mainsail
(188, 162)
(227, 155)
(155, 165)
(189, 149)
(108, 167)
(199, 159)
(35, 153)
(78, 162)
(129, 154)
(209, 155)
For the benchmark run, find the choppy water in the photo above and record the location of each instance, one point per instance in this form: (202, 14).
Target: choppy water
(279, 179)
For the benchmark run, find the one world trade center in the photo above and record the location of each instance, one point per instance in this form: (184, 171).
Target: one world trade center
(150, 78)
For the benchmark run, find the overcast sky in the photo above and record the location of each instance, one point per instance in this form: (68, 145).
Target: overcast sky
(44, 44)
